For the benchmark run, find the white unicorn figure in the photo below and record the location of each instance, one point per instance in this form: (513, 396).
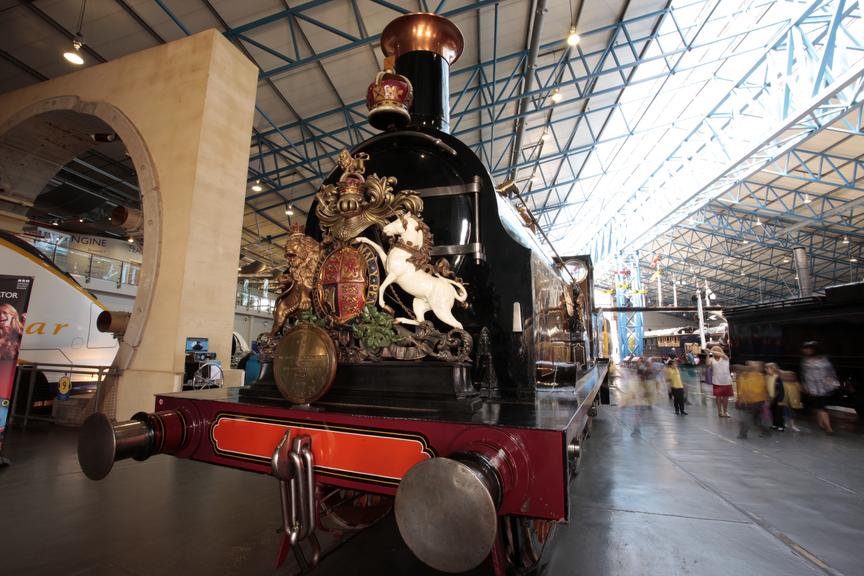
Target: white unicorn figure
(431, 291)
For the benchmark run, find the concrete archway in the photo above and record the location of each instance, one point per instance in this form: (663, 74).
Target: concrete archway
(184, 111)
(37, 117)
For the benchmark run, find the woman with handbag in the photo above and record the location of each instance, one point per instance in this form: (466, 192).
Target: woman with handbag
(820, 382)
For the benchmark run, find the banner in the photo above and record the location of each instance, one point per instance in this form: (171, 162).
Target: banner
(98, 245)
(14, 298)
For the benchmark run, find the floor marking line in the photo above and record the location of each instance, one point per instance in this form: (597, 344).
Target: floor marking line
(665, 514)
(729, 440)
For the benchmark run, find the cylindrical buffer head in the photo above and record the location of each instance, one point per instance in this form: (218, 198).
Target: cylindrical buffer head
(113, 322)
(101, 443)
(446, 512)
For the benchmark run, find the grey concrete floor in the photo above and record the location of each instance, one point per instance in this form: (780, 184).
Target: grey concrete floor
(683, 496)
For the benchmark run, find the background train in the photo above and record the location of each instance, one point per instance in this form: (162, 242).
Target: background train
(678, 342)
(775, 331)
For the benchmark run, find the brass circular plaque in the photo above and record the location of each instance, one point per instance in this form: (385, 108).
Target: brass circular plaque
(304, 364)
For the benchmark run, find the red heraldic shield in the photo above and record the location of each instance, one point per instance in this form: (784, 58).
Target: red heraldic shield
(342, 284)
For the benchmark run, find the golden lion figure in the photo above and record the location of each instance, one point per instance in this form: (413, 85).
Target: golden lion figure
(302, 254)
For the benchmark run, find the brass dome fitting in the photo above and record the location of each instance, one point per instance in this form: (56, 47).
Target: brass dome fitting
(424, 32)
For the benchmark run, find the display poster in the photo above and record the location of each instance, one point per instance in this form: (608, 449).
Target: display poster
(14, 297)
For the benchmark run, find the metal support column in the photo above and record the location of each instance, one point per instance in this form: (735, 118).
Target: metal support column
(629, 293)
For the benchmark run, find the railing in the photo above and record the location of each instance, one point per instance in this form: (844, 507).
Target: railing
(252, 293)
(90, 266)
(256, 295)
(30, 373)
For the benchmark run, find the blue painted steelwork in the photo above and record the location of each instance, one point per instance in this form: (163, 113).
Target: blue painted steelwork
(808, 42)
(628, 292)
(291, 158)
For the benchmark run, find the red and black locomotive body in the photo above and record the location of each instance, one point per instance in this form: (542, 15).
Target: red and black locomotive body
(477, 446)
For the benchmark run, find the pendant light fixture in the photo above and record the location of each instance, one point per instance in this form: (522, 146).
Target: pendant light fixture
(257, 186)
(572, 36)
(74, 56)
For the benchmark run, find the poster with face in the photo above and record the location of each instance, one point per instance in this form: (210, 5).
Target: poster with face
(14, 298)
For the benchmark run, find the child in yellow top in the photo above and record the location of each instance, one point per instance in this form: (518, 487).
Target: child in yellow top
(673, 376)
(752, 395)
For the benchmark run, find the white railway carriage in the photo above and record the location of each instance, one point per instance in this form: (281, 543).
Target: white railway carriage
(61, 322)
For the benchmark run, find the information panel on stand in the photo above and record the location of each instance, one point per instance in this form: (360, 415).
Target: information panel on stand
(14, 298)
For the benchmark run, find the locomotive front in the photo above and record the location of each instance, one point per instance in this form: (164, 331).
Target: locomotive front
(424, 347)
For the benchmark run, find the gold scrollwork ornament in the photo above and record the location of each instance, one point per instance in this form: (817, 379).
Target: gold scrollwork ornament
(357, 202)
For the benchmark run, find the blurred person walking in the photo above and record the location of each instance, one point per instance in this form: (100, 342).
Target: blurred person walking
(676, 386)
(776, 394)
(791, 397)
(819, 381)
(637, 394)
(721, 380)
(752, 398)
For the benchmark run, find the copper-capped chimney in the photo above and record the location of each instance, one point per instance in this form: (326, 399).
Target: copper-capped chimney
(423, 47)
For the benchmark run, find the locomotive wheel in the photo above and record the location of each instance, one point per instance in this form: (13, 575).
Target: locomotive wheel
(343, 510)
(525, 539)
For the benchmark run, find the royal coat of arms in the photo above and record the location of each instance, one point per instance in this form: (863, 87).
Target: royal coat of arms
(348, 279)
(353, 270)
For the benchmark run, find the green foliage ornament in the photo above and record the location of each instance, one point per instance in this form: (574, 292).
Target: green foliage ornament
(374, 328)
(309, 317)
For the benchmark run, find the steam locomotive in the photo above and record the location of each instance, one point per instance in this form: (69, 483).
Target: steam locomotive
(472, 421)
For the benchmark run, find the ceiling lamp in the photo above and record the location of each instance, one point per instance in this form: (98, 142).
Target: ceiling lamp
(546, 136)
(572, 37)
(289, 210)
(845, 239)
(256, 187)
(557, 97)
(806, 199)
(785, 260)
(131, 240)
(853, 260)
(74, 56)
(758, 221)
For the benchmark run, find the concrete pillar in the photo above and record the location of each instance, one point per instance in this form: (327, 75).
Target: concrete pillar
(184, 111)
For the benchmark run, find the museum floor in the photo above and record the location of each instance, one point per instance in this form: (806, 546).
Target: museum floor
(682, 496)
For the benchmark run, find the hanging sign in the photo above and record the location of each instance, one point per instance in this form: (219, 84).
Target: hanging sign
(14, 298)
(64, 386)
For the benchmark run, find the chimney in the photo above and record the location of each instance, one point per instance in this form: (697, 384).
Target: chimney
(423, 47)
(802, 268)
